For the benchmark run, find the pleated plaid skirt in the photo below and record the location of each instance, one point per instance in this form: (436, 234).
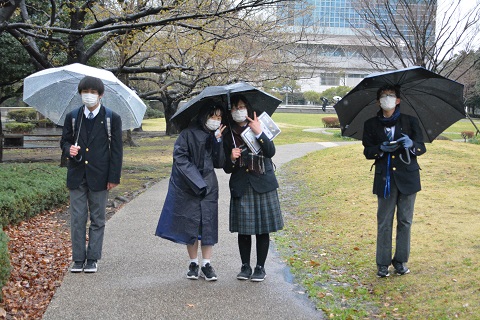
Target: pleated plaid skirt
(255, 213)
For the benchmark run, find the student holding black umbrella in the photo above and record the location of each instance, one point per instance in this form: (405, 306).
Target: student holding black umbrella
(394, 140)
(254, 203)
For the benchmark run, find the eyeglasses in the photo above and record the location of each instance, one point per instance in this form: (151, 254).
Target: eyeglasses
(388, 95)
(239, 107)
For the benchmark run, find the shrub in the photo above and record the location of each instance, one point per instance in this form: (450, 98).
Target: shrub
(331, 122)
(22, 115)
(5, 266)
(16, 127)
(467, 135)
(28, 189)
(153, 114)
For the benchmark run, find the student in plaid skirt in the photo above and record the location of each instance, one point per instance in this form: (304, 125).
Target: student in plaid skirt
(254, 204)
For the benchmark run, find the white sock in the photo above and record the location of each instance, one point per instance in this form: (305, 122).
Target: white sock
(194, 260)
(205, 261)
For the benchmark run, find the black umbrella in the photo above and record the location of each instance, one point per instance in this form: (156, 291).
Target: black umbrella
(436, 101)
(259, 100)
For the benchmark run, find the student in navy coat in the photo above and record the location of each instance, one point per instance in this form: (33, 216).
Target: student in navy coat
(190, 212)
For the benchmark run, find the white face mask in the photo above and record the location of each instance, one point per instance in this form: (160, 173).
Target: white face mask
(240, 115)
(212, 124)
(89, 99)
(388, 103)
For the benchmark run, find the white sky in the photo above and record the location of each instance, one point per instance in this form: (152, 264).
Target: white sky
(465, 5)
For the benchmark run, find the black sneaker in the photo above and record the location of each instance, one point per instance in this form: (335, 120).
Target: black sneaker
(77, 267)
(400, 269)
(208, 273)
(192, 271)
(90, 266)
(258, 274)
(382, 271)
(245, 272)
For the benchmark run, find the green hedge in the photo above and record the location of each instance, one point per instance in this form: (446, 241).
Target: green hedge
(28, 189)
(22, 115)
(25, 191)
(5, 266)
(20, 127)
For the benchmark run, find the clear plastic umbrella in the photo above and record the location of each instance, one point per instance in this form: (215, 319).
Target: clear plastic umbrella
(54, 93)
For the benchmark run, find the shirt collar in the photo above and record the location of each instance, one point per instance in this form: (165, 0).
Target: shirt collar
(95, 112)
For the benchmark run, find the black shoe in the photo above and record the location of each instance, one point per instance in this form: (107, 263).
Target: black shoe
(400, 269)
(382, 271)
(77, 267)
(208, 273)
(192, 271)
(245, 272)
(258, 274)
(90, 266)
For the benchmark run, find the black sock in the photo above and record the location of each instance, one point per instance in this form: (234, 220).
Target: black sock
(263, 242)
(245, 247)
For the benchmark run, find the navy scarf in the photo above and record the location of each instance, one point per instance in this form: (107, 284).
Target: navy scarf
(389, 122)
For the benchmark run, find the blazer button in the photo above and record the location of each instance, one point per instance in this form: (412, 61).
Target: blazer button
(394, 168)
(86, 162)
(86, 149)
(393, 157)
(246, 170)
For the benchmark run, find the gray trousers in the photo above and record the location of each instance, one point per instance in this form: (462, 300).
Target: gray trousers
(386, 211)
(83, 201)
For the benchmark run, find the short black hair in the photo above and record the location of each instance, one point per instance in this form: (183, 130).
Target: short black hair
(388, 87)
(92, 83)
(208, 112)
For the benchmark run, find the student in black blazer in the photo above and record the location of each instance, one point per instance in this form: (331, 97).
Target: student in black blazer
(394, 140)
(254, 203)
(94, 168)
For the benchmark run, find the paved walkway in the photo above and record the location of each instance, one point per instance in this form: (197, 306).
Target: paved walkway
(142, 276)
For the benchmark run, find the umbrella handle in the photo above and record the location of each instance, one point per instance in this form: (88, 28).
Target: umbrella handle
(408, 157)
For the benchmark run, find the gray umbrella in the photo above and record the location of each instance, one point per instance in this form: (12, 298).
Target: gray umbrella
(53, 92)
(436, 101)
(258, 99)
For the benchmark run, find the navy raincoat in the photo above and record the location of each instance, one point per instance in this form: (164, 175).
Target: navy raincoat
(191, 205)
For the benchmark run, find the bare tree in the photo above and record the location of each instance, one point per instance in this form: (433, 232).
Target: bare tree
(56, 33)
(404, 33)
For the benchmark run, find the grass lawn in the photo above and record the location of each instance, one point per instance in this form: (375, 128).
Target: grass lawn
(330, 234)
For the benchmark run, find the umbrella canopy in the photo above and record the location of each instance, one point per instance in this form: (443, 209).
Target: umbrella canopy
(54, 93)
(436, 101)
(259, 100)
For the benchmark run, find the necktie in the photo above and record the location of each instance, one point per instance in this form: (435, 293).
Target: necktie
(90, 116)
(386, 191)
(389, 133)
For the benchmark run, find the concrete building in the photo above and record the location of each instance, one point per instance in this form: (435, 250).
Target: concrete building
(333, 27)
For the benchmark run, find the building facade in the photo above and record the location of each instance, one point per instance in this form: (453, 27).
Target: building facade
(337, 36)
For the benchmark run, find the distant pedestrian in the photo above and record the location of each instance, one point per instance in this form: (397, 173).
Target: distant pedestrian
(94, 167)
(324, 104)
(394, 140)
(190, 211)
(254, 203)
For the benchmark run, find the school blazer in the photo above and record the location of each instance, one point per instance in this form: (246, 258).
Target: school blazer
(405, 176)
(241, 177)
(101, 161)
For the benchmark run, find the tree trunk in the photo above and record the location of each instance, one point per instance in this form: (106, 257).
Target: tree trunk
(128, 140)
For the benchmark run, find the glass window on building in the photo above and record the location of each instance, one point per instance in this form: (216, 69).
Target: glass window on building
(329, 79)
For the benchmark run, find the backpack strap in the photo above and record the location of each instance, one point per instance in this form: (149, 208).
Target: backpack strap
(108, 123)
